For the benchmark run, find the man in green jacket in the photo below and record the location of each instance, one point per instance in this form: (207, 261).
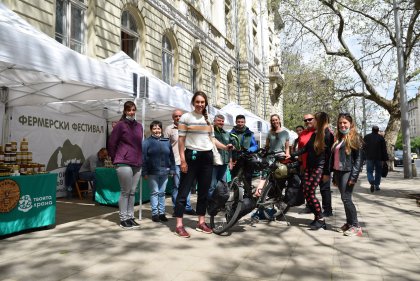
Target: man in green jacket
(219, 171)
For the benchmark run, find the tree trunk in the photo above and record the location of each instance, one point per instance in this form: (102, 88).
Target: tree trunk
(391, 133)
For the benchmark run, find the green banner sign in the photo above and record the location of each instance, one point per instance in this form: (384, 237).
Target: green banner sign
(27, 202)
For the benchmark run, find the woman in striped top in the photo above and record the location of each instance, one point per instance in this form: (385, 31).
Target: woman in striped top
(195, 150)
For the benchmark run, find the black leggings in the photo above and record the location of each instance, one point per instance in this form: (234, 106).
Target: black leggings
(200, 169)
(311, 179)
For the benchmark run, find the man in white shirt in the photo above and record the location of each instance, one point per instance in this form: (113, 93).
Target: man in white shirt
(171, 132)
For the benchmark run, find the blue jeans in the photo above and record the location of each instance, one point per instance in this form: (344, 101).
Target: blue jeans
(374, 165)
(157, 186)
(219, 173)
(177, 176)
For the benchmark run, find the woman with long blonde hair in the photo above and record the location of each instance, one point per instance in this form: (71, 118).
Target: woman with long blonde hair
(346, 162)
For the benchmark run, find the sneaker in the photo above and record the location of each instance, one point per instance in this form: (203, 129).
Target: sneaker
(372, 188)
(377, 188)
(327, 214)
(181, 232)
(163, 218)
(134, 223)
(344, 228)
(126, 224)
(318, 224)
(203, 227)
(353, 231)
(155, 218)
(190, 212)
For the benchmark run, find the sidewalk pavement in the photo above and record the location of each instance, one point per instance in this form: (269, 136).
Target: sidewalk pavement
(87, 244)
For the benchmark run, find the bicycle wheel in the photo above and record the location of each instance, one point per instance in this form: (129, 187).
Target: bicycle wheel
(227, 216)
(271, 202)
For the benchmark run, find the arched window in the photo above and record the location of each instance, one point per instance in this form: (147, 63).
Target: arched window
(195, 70)
(230, 87)
(215, 81)
(257, 100)
(129, 35)
(167, 60)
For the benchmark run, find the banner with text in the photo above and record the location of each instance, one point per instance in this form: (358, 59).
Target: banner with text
(56, 139)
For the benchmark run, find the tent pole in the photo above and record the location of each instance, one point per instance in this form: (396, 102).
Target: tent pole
(143, 117)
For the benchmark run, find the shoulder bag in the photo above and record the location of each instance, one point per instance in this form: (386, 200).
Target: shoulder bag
(217, 158)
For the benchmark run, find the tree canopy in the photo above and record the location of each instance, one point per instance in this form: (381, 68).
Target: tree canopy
(356, 42)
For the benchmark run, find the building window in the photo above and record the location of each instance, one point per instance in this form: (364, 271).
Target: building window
(230, 87)
(70, 23)
(129, 35)
(194, 74)
(195, 71)
(228, 19)
(215, 80)
(167, 60)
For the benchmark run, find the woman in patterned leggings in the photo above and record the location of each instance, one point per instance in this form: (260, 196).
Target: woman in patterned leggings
(319, 150)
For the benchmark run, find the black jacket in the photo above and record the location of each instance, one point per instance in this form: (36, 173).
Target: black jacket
(317, 160)
(348, 163)
(375, 147)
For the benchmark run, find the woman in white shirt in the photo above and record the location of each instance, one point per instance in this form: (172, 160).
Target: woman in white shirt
(195, 145)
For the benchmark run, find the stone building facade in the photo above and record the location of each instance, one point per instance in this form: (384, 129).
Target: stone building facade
(414, 115)
(226, 48)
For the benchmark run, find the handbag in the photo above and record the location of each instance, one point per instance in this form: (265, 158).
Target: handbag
(384, 170)
(217, 158)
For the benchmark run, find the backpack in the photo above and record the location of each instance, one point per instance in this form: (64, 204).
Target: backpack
(218, 199)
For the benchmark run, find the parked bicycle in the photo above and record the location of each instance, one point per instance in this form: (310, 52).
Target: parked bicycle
(280, 191)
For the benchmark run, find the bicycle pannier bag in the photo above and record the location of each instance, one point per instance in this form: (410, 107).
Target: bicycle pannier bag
(218, 199)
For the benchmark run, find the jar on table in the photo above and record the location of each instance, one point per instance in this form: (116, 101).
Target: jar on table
(1, 155)
(24, 144)
(29, 156)
(8, 148)
(7, 158)
(14, 146)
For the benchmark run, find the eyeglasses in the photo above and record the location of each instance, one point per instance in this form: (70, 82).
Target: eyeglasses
(308, 120)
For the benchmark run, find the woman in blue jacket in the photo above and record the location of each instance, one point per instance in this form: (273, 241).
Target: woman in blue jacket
(124, 147)
(158, 163)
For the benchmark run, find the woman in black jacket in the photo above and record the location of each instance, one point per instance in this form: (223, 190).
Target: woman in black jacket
(317, 166)
(346, 162)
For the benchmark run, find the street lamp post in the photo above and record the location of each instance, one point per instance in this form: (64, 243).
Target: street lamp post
(403, 98)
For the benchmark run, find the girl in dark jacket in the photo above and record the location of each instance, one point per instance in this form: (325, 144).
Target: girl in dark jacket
(125, 149)
(158, 164)
(346, 162)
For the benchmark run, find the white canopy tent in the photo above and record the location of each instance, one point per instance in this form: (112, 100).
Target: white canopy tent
(259, 126)
(37, 70)
(160, 98)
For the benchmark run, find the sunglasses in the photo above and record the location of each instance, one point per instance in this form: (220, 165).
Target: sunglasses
(344, 114)
(308, 120)
(194, 155)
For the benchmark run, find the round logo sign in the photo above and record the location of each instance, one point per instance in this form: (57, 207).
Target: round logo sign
(9, 195)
